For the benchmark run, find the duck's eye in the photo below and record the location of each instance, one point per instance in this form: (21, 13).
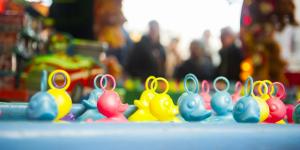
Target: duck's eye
(191, 104)
(273, 107)
(240, 107)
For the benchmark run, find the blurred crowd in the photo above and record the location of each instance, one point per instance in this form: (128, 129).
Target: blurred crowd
(149, 57)
(103, 20)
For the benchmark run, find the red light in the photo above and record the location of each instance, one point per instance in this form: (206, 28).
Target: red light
(247, 20)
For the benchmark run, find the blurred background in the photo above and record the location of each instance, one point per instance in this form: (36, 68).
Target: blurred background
(133, 39)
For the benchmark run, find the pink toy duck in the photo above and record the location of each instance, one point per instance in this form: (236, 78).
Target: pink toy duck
(205, 88)
(276, 106)
(237, 92)
(109, 103)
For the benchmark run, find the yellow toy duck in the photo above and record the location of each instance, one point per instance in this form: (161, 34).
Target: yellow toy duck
(162, 106)
(261, 100)
(61, 97)
(143, 113)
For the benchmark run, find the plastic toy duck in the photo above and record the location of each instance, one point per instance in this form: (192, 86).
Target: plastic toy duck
(109, 103)
(221, 101)
(191, 105)
(41, 105)
(162, 106)
(263, 106)
(91, 104)
(143, 113)
(205, 88)
(61, 97)
(237, 92)
(247, 109)
(276, 106)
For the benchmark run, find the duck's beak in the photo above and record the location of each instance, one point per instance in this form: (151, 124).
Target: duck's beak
(123, 107)
(201, 114)
(138, 104)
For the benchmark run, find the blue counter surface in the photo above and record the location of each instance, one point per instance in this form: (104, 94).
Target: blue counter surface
(144, 136)
(17, 133)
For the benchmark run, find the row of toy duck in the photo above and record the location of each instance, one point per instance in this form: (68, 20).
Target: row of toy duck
(105, 105)
(220, 107)
(55, 104)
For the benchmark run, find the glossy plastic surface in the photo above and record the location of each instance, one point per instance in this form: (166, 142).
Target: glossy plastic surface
(162, 106)
(91, 103)
(61, 97)
(276, 105)
(191, 104)
(247, 110)
(42, 105)
(221, 101)
(109, 103)
(261, 99)
(143, 112)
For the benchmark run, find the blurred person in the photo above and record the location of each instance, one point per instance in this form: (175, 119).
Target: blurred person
(148, 56)
(289, 40)
(231, 56)
(120, 53)
(211, 46)
(198, 63)
(108, 28)
(173, 57)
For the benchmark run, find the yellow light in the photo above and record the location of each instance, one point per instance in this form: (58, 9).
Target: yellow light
(246, 66)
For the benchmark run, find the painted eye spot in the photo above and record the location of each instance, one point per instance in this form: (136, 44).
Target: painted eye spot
(240, 107)
(273, 107)
(191, 104)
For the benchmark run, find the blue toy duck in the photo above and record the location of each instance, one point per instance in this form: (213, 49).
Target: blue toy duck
(91, 103)
(191, 105)
(221, 103)
(247, 110)
(42, 105)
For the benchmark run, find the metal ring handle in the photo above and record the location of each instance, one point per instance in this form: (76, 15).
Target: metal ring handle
(226, 81)
(164, 80)
(95, 81)
(192, 77)
(280, 94)
(106, 76)
(52, 76)
(249, 80)
(152, 86)
(265, 86)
